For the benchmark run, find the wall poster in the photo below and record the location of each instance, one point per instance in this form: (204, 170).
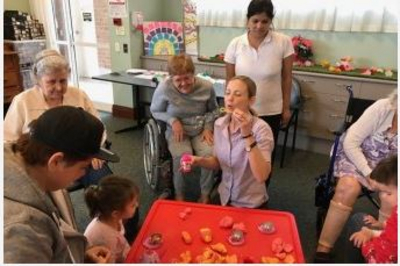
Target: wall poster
(163, 38)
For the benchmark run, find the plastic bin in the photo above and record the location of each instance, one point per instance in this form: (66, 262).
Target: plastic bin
(164, 218)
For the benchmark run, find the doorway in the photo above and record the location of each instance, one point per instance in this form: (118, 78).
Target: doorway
(76, 38)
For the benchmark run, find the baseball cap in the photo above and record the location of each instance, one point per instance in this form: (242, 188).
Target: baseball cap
(73, 131)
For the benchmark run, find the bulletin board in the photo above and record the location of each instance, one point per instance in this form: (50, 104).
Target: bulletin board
(163, 38)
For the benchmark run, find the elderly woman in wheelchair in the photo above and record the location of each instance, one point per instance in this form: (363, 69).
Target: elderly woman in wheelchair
(370, 139)
(187, 104)
(242, 148)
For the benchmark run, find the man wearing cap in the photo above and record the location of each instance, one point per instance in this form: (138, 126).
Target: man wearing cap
(57, 150)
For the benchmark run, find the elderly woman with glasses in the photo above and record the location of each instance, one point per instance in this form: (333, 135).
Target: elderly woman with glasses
(186, 104)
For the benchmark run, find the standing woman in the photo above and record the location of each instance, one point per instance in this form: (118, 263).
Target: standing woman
(266, 57)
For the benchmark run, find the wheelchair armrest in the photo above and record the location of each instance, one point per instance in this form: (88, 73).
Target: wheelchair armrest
(162, 125)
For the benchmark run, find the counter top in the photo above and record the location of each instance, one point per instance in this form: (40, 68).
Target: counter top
(313, 70)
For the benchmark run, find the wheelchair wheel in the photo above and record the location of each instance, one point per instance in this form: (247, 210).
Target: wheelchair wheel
(151, 153)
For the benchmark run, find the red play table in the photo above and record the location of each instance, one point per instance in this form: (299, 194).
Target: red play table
(164, 218)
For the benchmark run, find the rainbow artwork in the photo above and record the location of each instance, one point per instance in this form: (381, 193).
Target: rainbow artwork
(163, 38)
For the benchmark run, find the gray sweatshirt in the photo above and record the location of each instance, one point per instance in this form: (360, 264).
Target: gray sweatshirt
(33, 229)
(196, 110)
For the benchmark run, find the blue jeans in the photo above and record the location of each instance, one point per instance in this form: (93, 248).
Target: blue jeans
(93, 177)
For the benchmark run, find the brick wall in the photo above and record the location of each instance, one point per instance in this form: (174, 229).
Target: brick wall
(102, 32)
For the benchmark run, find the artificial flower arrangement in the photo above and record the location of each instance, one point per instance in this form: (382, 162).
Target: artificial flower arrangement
(303, 51)
(368, 71)
(345, 65)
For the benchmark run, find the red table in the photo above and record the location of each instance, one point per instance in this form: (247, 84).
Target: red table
(164, 217)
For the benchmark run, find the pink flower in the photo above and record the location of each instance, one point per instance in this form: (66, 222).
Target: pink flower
(366, 72)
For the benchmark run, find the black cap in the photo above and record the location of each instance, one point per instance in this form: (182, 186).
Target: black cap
(73, 131)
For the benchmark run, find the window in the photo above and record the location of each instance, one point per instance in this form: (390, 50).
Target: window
(325, 15)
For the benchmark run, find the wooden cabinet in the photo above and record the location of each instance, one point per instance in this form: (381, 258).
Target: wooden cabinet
(376, 89)
(325, 100)
(12, 77)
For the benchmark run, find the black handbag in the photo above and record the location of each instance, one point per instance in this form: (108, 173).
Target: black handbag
(325, 183)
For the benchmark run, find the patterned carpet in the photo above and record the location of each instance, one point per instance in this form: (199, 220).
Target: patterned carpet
(291, 188)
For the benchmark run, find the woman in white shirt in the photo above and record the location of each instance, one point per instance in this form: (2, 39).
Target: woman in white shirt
(265, 56)
(370, 139)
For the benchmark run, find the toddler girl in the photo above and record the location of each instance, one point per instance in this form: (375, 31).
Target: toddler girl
(377, 242)
(110, 202)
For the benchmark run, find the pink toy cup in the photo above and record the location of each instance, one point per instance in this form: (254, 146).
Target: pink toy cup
(186, 160)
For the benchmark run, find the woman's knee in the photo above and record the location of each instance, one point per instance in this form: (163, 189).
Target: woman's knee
(347, 190)
(178, 148)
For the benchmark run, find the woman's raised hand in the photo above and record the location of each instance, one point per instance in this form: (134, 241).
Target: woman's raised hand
(245, 121)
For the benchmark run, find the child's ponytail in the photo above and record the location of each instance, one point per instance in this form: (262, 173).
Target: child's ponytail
(92, 200)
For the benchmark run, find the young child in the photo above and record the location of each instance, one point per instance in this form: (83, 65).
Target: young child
(110, 202)
(377, 241)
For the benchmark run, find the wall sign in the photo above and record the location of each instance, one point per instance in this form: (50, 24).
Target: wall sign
(117, 8)
(87, 16)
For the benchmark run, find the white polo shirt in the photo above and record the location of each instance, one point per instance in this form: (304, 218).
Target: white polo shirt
(264, 66)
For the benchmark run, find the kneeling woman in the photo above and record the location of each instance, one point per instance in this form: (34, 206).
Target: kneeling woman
(243, 144)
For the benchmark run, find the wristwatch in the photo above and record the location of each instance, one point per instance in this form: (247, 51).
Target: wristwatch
(252, 145)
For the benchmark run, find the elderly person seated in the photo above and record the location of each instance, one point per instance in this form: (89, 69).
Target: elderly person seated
(186, 103)
(370, 139)
(51, 72)
(242, 150)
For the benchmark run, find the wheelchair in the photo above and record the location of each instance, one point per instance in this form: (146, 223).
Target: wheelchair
(325, 183)
(157, 159)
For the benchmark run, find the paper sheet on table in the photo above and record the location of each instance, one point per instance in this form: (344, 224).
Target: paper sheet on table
(151, 74)
(136, 71)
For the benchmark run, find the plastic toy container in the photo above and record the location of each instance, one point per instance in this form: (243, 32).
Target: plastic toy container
(165, 218)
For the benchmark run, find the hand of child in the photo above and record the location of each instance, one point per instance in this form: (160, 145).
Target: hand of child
(98, 254)
(245, 121)
(370, 220)
(361, 237)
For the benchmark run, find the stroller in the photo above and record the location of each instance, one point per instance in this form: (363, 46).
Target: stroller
(325, 183)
